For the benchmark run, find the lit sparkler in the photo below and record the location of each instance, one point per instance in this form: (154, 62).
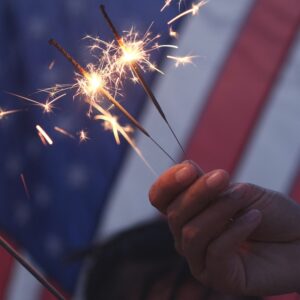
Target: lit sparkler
(93, 85)
(193, 11)
(133, 55)
(43, 133)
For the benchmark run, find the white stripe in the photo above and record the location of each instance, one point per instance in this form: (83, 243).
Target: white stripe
(23, 285)
(271, 159)
(182, 94)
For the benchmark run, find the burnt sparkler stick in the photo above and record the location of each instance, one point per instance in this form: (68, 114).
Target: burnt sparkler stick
(138, 74)
(106, 94)
(31, 269)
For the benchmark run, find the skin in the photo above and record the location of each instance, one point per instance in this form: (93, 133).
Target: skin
(238, 238)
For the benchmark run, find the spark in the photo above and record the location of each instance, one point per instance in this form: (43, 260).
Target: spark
(4, 113)
(167, 3)
(64, 132)
(51, 65)
(25, 185)
(83, 136)
(42, 133)
(84, 81)
(111, 123)
(47, 106)
(182, 60)
(193, 11)
(173, 33)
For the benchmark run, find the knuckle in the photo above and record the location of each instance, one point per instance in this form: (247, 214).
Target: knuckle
(174, 219)
(190, 236)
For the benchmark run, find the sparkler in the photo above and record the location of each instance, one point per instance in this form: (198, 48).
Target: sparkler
(95, 84)
(193, 11)
(35, 273)
(133, 57)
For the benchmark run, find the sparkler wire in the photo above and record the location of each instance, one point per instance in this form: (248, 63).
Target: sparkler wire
(138, 74)
(35, 273)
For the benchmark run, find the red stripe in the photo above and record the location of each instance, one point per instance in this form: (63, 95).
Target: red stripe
(295, 191)
(46, 295)
(243, 87)
(6, 267)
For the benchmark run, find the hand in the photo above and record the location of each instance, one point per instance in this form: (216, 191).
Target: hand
(238, 238)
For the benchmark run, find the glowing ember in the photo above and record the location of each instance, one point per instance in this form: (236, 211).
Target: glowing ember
(173, 33)
(83, 136)
(42, 133)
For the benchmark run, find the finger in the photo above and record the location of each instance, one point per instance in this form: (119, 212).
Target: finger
(197, 234)
(229, 241)
(171, 183)
(195, 199)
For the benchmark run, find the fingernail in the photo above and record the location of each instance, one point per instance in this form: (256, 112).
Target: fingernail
(215, 179)
(236, 192)
(191, 162)
(186, 173)
(251, 216)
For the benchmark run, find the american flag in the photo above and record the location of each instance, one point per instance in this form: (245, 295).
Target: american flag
(238, 109)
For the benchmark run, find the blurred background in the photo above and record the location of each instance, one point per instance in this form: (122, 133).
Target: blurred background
(236, 107)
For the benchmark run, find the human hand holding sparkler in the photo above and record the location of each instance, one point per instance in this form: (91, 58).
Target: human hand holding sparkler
(238, 238)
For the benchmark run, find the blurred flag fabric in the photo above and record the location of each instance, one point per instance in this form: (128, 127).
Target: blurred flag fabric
(237, 108)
